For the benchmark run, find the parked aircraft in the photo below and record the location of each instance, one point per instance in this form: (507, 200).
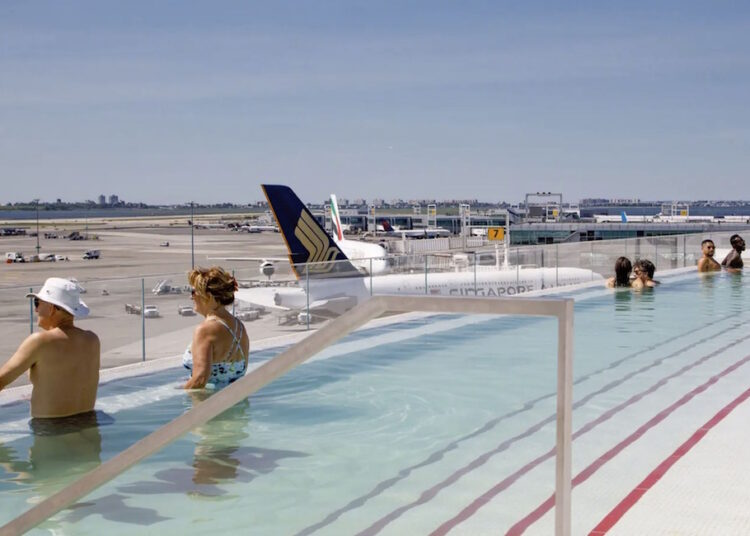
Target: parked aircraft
(197, 225)
(330, 284)
(429, 232)
(258, 228)
(365, 256)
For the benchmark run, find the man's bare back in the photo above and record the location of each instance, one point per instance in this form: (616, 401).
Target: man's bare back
(65, 375)
(62, 360)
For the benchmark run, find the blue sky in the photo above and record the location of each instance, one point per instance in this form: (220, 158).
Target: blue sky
(173, 101)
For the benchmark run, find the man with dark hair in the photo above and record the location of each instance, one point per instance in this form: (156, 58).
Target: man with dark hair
(733, 261)
(707, 263)
(62, 359)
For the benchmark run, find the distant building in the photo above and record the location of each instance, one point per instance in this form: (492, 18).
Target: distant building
(113, 199)
(102, 200)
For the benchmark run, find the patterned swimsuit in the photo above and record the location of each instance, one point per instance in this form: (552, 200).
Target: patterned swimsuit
(223, 372)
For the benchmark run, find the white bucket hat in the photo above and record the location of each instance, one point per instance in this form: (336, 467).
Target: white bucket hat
(63, 293)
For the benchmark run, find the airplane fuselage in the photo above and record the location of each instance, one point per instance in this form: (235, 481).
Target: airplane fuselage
(499, 283)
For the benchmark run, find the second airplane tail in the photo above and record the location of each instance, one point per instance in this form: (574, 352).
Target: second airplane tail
(307, 241)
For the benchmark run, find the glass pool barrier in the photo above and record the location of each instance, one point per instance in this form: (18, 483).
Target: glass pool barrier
(562, 309)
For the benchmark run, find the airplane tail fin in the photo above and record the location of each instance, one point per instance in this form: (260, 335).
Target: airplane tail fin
(624, 217)
(336, 219)
(307, 241)
(386, 225)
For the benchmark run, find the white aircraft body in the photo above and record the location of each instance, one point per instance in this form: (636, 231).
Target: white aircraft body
(337, 295)
(209, 225)
(428, 232)
(259, 228)
(328, 283)
(366, 257)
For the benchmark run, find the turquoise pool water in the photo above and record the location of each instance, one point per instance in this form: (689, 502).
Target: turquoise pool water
(437, 425)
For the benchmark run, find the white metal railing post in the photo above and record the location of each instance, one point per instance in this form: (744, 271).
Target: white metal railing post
(31, 312)
(684, 251)
(307, 293)
(563, 484)
(475, 273)
(233, 302)
(425, 274)
(143, 319)
(370, 276)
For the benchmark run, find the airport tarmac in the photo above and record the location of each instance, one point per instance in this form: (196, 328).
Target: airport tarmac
(130, 252)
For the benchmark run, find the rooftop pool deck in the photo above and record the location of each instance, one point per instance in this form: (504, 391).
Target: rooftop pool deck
(432, 424)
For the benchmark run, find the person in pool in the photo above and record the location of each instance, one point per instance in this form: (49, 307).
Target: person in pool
(623, 267)
(218, 353)
(733, 261)
(62, 359)
(707, 263)
(644, 271)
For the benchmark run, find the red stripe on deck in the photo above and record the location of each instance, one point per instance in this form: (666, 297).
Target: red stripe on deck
(584, 475)
(640, 490)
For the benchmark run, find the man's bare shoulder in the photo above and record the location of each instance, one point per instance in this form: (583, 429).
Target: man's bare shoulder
(58, 335)
(86, 335)
(90, 335)
(41, 338)
(707, 264)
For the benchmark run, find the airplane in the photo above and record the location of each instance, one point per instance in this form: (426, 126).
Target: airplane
(266, 265)
(254, 228)
(208, 225)
(329, 284)
(429, 232)
(363, 255)
(339, 228)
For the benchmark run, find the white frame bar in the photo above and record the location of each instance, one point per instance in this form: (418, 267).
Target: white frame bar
(562, 309)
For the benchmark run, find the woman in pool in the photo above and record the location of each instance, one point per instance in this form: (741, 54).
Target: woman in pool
(622, 274)
(644, 271)
(218, 353)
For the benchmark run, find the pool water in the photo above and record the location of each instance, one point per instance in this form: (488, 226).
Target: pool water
(436, 425)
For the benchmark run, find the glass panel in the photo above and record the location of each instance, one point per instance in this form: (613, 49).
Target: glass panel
(349, 442)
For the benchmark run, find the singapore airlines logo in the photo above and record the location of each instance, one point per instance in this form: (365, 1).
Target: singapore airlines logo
(315, 240)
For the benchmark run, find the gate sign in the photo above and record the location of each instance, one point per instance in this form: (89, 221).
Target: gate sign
(496, 233)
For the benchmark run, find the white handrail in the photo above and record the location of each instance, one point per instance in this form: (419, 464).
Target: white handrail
(300, 352)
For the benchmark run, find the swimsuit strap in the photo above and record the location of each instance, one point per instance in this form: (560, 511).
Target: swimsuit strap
(236, 341)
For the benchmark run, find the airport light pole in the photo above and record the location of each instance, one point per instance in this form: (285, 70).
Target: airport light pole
(192, 239)
(37, 227)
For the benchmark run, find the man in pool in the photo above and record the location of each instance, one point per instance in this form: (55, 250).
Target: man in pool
(62, 359)
(707, 263)
(733, 261)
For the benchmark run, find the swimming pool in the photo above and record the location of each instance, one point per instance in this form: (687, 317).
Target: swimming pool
(444, 423)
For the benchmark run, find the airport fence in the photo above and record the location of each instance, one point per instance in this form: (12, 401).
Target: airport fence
(144, 318)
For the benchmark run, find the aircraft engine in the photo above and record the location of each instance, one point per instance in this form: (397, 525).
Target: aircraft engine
(267, 269)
